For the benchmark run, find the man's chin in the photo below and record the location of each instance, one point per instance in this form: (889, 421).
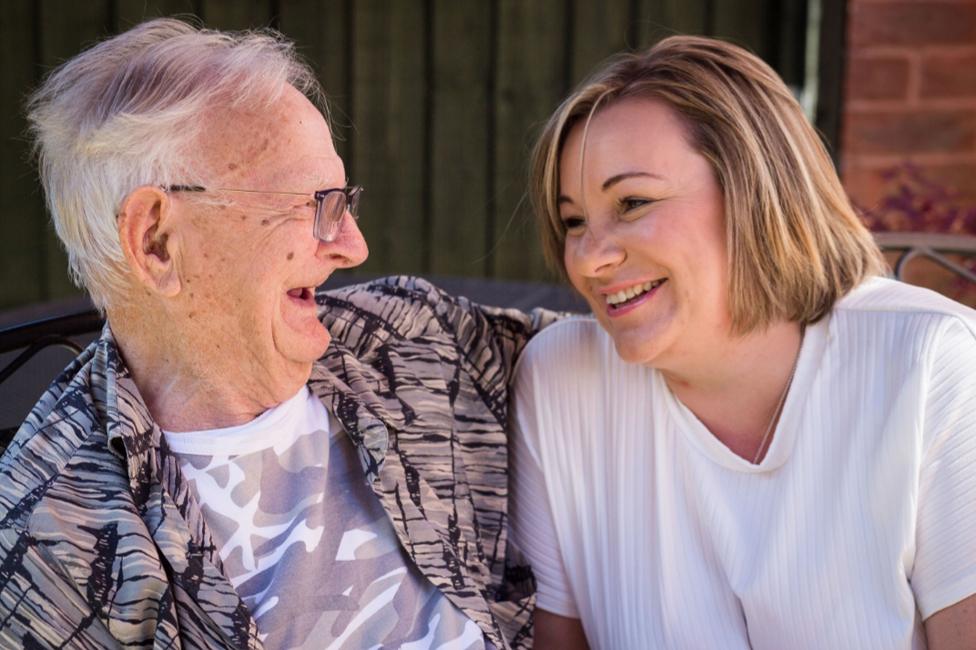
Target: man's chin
(305, 348)
(301, 336)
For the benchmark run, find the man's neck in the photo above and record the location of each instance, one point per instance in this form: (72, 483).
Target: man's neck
(187, 392)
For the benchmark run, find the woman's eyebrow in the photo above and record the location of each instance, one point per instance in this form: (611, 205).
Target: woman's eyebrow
(613, 180)
(610, 182)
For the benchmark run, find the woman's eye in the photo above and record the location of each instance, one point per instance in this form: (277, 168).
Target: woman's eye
(630, 203)
(573, 224)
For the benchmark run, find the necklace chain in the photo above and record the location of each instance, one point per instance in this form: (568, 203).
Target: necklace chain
(779, 405)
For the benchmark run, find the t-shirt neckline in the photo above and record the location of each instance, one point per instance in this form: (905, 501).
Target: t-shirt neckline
(276, 426)
(790, 420)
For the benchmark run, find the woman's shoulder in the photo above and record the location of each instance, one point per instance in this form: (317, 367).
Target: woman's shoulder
(571, 334)
(911, 318)
(576, 345)
(884, 295)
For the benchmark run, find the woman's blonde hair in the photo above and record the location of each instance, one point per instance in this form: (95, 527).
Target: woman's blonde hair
(795, 243)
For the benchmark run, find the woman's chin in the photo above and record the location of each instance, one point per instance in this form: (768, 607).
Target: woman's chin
(647, 347)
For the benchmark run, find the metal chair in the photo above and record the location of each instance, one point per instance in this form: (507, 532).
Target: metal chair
(932, 246)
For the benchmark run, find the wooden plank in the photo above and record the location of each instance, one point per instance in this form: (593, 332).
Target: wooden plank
(22, 213)
(599, 30)
(792, 42)
(236, 14)
(525, 95)
(320, 30)
(743, 23)
(661, 18)
(129, 13)
(68, 28)
(388, 144)
(830, 89)
(786, 37)
(458, 176)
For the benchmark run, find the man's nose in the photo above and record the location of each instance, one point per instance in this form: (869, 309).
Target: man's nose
(348, 249)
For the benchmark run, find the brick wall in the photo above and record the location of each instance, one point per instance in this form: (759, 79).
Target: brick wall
(910, 94)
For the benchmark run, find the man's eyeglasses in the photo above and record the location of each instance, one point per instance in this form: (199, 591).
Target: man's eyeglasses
(330, 205)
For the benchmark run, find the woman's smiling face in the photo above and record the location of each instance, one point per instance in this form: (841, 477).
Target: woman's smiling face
(645, 232)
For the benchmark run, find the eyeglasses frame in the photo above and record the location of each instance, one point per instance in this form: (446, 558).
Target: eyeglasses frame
(350, 192)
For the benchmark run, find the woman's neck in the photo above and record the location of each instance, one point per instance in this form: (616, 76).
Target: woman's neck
(736, 386)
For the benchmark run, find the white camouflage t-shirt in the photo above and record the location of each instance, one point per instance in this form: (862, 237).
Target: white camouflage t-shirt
(306, 543)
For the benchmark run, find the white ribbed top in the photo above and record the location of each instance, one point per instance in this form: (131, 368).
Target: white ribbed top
(858, 524)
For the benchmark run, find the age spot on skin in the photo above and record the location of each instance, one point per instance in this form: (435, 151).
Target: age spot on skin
(265, 222)
(232, 166)
(291, 255)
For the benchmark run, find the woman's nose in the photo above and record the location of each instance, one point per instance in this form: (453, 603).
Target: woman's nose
(598, 251)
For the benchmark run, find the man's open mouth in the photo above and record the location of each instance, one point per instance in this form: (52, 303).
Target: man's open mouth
(303, 294)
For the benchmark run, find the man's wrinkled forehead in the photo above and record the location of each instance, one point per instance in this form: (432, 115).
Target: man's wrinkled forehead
(271, 141)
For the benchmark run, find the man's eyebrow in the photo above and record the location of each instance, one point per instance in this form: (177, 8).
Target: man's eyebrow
(613, 180)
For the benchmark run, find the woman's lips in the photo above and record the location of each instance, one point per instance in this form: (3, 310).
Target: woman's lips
(626, 307)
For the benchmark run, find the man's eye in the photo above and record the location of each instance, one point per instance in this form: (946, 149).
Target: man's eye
(573, 224)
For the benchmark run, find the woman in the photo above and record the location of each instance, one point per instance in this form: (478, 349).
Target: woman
(755, 441)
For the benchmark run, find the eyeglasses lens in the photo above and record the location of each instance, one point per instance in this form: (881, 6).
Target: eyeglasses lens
(332, 208)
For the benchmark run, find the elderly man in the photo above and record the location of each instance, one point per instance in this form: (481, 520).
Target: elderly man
(237, 462)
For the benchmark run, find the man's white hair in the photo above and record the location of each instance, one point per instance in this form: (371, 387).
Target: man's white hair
(126, 113)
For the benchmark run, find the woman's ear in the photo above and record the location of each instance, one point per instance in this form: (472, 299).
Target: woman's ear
(145, 225)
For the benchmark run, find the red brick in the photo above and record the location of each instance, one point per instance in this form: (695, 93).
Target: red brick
(949, 75)
(912, 23)
(877, 78)
(866, 186)
(960, 178)
(876, 133)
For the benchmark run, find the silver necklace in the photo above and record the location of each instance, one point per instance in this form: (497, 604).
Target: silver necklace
(779, 403)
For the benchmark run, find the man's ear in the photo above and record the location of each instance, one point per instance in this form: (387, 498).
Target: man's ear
(145, 225)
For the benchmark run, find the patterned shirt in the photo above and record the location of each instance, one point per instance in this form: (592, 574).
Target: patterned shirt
(102, 541)
(304, 541)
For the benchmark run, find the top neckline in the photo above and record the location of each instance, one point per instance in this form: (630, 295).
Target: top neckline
(790, 418)
(276, 427)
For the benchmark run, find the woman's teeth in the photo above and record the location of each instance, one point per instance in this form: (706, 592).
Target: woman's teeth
(632, 292)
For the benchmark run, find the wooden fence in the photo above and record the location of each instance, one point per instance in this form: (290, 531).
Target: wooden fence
(436, 103)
